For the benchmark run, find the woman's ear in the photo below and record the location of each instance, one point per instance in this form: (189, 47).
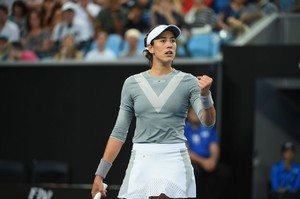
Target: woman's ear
(150, 48)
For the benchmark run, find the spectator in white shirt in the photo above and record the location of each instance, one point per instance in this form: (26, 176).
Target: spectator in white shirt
(86, 11)
(69, 25)
(101, 53)
(7, 27)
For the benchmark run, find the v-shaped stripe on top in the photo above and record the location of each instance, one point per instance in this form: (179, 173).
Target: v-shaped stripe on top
(158, 101)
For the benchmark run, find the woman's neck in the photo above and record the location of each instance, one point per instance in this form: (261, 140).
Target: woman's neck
(160, 71)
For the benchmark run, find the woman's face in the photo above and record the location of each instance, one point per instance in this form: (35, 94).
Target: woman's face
(69, 41)
(34, 20)
(164, 47)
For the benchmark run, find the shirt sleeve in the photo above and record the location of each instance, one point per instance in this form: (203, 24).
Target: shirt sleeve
(125, 114)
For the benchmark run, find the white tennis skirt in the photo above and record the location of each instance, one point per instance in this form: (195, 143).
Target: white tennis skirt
(154, 169)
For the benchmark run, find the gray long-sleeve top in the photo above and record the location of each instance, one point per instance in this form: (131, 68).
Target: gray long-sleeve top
(160, 105)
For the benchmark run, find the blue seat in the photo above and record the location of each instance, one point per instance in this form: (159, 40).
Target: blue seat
(204, 45)
(115, 43)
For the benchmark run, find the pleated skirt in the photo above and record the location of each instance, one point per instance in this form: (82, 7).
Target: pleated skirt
(154, 169)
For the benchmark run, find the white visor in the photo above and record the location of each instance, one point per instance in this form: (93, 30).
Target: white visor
(161, 28)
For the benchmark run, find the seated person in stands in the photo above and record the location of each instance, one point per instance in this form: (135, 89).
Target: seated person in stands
(132, 49)
(101, 52)
(200, 18)
(285, 176)
(18, 53)
(212, 176)
(68, 50)
(69, 25)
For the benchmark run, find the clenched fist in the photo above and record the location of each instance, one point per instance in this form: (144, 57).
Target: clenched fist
(204, 83)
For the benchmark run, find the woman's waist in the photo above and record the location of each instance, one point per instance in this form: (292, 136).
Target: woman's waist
(156, 147)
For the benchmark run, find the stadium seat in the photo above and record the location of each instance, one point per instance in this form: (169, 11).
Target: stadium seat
(12, 171)
(204, 45)
(115, 43)
(50, 172)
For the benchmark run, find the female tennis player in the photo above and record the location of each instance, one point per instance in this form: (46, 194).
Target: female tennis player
(159, 98)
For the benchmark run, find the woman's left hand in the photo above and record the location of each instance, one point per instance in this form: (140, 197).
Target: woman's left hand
(204, 83)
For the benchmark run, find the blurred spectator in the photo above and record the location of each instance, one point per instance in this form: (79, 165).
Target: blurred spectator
(285, 175)
(8, 28)
(101, 3)
(144, 6)
(229, 19)
(143, 3)
(35, 37)
(112, 18)
(86, 11)
(212, 176)
(251, 13)
(34, 4)
(7, 3)
(219, 5)
(267, 7)
(288, 5)
(200, 18)
(166, 12)
(68, 50)
(135, 19)
(69, 25)
(186, 5)
(132, 48)
(18, 53)
(52, 14)
(101, 52)
(4, 48)
(19, 14)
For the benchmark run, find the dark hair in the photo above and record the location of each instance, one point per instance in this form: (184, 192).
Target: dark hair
(4, 8)
(39, 16)
(146, 52)
(21, 5)
(17, 45)
(56, 7)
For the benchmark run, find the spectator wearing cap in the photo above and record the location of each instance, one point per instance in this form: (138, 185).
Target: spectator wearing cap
(7, 27)
(285, 176)
(132, 48)
(68, 26)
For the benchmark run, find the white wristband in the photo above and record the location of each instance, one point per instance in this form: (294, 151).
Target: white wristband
(207, 101)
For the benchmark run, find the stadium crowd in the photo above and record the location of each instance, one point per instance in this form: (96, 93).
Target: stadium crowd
(105, 30)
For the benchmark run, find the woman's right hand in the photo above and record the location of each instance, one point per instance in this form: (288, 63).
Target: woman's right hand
(98, 187)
